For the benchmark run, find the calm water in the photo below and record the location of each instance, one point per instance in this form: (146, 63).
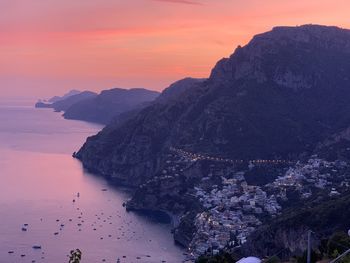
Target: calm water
(38, 182)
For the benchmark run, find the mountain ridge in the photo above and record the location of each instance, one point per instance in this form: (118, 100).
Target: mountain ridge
(283, 96)
(109, 104)
(225, 116)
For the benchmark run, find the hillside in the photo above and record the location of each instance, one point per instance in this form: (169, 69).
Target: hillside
(287, 234)
(268, 131)
(109, 104)
(65, 96)
(175, 90)
(277, 97)
(65, 102)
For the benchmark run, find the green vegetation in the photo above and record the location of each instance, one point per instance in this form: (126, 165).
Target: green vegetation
(329, 249)
(75, 256)
(338, 244)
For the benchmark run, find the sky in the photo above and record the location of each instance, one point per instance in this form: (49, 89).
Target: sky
(48, 47)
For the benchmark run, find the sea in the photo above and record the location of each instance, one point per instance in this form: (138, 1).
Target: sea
(50, 205)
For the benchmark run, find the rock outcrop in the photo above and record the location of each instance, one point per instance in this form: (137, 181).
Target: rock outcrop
(287, 234)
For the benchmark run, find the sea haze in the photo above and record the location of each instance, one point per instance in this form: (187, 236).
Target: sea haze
(40, 180)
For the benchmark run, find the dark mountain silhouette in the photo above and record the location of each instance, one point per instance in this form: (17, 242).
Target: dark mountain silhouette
(62, 104)
(168, 94)
(109, 104)
(65, 96)
(65, 104)
(278, 96)
(176, 89)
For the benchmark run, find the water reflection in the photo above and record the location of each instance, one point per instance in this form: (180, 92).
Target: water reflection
(40, 206)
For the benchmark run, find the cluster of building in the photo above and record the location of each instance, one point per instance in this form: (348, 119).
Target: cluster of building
(233, 209)
(232, 212)
(315, 175)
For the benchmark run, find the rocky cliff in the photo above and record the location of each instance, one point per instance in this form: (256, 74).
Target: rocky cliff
(287, 234)
(125, 151)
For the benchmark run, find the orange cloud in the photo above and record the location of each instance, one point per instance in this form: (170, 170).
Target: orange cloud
(99, 44)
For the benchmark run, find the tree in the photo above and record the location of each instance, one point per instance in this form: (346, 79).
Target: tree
(338, 244)
(75, 256)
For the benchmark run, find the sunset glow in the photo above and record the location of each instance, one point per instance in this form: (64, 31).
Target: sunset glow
(48, 47)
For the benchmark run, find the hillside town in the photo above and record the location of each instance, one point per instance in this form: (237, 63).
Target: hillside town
(313, 176)
(233, 209)
(232, 214)
(229, 205)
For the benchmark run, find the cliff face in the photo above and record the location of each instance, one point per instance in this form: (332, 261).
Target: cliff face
(291, 57)
(271, 242)
(132, 148)
(279, 96)
(287, 234)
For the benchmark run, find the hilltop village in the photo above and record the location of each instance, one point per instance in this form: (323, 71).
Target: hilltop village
(230, 208)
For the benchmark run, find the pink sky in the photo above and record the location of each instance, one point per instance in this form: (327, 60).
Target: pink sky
(48, 47)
